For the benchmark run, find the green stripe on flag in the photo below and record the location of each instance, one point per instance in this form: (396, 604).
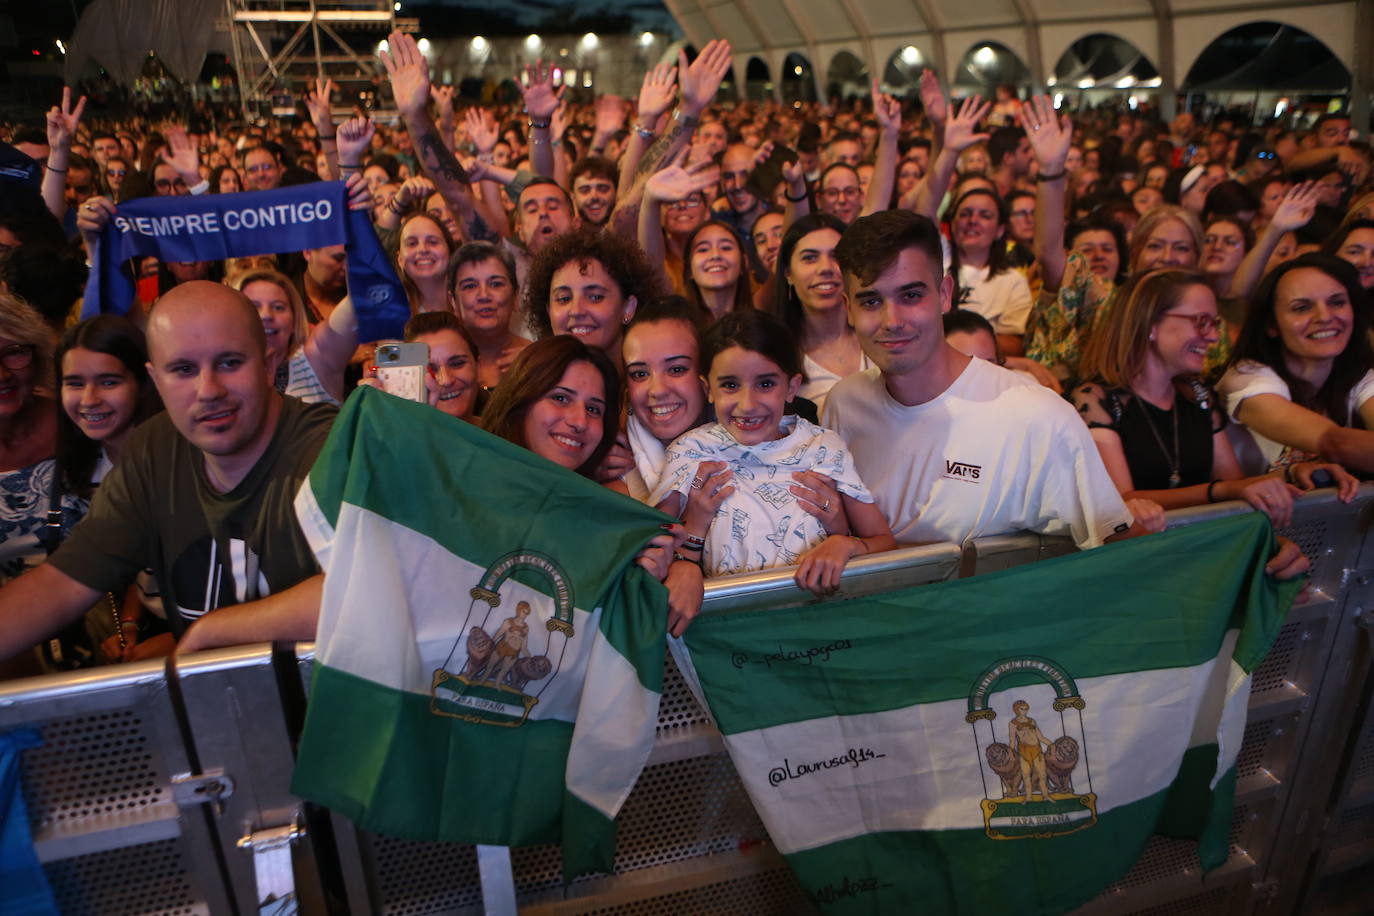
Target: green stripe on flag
(375, 757)
(429, 493)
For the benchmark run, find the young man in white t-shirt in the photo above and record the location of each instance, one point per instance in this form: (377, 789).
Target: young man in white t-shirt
(952, 447)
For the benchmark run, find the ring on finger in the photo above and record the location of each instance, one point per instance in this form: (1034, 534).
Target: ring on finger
(825, 507)
(698, 483)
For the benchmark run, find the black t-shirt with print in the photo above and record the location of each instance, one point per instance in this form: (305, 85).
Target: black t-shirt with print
(157, 510)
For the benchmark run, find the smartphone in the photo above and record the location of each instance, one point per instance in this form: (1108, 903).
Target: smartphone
(401, 369)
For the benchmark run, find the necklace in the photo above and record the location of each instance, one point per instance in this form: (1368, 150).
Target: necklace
(1174, 477)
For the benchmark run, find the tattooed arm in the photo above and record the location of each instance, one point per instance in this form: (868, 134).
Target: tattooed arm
(409, 73)
(697, 85)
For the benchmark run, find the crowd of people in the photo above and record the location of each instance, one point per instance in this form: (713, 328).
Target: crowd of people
(807, 333)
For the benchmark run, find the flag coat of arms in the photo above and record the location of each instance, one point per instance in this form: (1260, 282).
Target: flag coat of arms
(486, 640)
(1004, 743)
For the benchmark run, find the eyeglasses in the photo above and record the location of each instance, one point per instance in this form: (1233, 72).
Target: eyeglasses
(837, 193)
(1023, 214)
(260, 168)
(1265, 154)
(1201, 320)
(18, 356)
(165, 183)
(1229, 241)
(116, 173)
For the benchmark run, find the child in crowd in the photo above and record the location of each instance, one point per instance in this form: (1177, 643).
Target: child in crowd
(754, 517)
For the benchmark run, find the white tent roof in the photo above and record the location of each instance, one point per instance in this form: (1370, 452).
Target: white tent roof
(118, 34)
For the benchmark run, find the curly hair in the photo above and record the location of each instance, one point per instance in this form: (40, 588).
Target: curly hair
(624, 260)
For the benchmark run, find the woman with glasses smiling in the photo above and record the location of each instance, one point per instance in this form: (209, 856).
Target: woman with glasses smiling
(1160, 431)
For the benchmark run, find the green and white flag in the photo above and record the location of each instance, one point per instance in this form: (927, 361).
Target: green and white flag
(1005, 743)
(485, 641)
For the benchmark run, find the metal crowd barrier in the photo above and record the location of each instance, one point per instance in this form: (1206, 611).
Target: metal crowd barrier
(166, 791)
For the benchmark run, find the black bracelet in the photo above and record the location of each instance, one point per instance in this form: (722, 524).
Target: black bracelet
(330, 137)
(1210, 497)
(795, 200)
(1055, 177)
(51, 169)
(349, 168)
(695, 562)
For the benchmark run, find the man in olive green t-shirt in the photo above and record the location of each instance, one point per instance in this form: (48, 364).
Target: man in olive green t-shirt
(202, 495)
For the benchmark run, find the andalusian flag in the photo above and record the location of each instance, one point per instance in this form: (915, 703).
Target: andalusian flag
(1006, 743)
(485, 637)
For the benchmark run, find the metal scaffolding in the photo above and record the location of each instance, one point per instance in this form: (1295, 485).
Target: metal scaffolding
(280, 45)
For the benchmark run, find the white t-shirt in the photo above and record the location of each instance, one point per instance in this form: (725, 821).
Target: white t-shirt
(992, 454)
(1004, 300)
(1247, 379)
(761, 525)
(819, 380)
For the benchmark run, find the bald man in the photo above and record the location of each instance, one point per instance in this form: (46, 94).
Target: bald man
(202, 495)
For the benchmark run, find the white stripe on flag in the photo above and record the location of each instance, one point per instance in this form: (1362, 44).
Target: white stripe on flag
(368, 631)
(615, 730)
(917, 768)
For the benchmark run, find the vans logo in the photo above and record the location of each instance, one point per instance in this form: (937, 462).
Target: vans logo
(959, 470)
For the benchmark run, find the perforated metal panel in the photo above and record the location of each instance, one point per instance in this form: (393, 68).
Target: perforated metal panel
(94, 766)
(678, 708)
(148, 880)
(681, 810)
(774, 892)
(1314, 539)
(412, 879)
(1354, 830)
(1209, 903)
(1282, 667)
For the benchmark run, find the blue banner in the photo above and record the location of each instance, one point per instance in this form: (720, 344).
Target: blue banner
(212, 227)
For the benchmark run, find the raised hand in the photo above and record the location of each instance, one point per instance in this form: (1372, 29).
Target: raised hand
(701, 79)
(1296, 208)
(678, 183)
(182, 155)
(317, 103)
(354, 137)
(610, 114)
(793, 174)
(1050, 133)
(481, 128)
(961, 130)
(933, 98)
(887, 111)
(558, 121)
(408, 71)
(763, 152)
(63, 119)
(541, 99)
(443, 102)
(656, 93)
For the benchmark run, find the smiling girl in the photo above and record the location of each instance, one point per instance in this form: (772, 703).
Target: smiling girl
(1300, 376)
(755, 518)
(810, 302)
